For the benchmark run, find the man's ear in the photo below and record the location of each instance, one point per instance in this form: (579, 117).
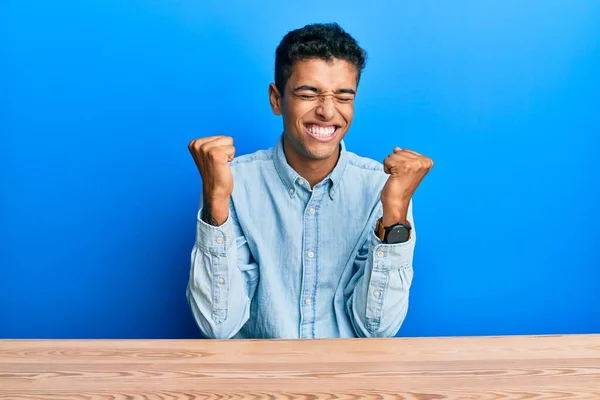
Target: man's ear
(275, 99)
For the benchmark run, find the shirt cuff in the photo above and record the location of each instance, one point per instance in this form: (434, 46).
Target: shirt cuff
(392, 256)
(214, 239)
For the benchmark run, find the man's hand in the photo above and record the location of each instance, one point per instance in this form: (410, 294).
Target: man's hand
(212, 156)
(407, 169)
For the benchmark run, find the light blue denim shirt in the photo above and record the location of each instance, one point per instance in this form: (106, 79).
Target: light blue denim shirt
(296, 262)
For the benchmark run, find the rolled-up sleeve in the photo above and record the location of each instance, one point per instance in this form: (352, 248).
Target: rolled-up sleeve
(223, 277)
(379, 301)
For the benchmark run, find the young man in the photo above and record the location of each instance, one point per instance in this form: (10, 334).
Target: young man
(312, 241)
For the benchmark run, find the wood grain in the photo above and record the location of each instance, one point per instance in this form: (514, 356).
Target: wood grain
(512, 367)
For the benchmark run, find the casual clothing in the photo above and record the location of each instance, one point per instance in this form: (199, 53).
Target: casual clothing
(296, 262)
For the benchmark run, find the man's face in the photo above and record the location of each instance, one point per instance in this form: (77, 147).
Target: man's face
(317, 107)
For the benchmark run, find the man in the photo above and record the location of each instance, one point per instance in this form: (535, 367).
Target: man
(312, 240)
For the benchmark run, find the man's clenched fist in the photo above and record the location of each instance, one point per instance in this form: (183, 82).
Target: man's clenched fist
(212, 155)
(407, 169)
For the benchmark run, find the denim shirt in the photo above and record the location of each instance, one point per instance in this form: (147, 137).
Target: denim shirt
(296, 262)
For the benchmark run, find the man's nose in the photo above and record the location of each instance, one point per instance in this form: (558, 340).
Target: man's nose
(326, 108)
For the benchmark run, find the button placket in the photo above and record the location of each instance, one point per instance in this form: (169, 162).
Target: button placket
(310, 262)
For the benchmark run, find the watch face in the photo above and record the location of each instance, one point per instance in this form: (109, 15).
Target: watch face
(398, 234)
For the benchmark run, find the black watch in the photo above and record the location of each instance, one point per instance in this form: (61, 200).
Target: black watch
(397, 233)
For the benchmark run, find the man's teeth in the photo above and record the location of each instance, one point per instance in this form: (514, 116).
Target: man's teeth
(320, 130)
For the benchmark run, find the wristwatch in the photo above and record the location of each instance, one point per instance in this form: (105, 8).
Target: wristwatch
(397, 233)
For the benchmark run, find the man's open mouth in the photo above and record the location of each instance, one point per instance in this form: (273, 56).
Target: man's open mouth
(321, 132)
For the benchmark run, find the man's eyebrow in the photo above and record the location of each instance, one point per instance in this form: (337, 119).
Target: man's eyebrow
(314, 89)
(346, 91)
(306, 87)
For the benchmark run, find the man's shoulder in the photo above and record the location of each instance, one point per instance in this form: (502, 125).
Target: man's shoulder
(366, 164)
(255, 158)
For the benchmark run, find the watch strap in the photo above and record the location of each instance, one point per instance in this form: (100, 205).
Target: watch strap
(381, 231)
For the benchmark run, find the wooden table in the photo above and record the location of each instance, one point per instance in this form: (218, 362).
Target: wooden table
(513, 367)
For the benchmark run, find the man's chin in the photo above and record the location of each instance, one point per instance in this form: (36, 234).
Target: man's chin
(315, 150)
(322, 152)
(319, 157)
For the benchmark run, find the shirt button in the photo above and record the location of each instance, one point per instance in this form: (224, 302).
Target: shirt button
(311, 254)
(292, 191)
(311, 210)
(380, 254)
(300, 181)
(377, 293)
(307, 301)
(219, 240)
(221, 281)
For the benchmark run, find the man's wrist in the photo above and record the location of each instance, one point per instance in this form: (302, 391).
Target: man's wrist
(215, 212)
(396, 214)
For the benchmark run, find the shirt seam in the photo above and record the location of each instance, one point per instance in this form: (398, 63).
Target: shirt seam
(249, 158)
(367, 164)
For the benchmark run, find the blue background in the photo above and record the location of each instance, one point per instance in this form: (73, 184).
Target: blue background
(98, 100)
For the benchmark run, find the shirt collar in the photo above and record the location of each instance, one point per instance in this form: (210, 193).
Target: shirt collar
(289, 176)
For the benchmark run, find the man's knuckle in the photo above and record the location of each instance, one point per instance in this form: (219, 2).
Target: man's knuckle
(211, 154)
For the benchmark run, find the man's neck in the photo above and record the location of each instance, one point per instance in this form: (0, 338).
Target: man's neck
(314, 171)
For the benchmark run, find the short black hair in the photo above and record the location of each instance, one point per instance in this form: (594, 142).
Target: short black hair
(321, 41)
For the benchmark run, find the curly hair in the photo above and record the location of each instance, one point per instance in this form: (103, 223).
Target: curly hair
(321, 41)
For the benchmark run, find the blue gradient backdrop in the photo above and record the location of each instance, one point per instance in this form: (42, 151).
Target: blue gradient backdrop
(98, 100)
